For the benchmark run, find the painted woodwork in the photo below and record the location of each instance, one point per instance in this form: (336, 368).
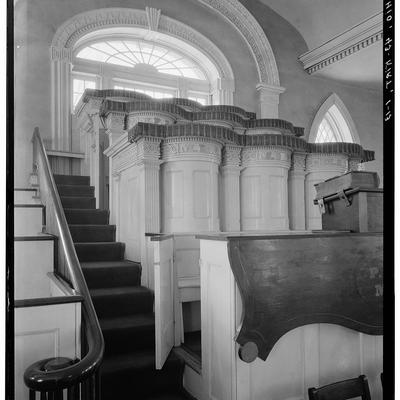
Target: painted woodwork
(290, 281)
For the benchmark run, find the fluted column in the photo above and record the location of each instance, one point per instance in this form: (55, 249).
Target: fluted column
(264, 188)
(61, 98)
(320, 167)
(149, 175)
(230, 189)
(297, 173)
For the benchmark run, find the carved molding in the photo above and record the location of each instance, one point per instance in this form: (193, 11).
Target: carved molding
(148, 149)
(231, 156)
(326, 162)
(193, 149)
(354, 164)
(150, 117)
(266, 155)
(240, 17)
(298, 162)
(153, 18)
(349, 42)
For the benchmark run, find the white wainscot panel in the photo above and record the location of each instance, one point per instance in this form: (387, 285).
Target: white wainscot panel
(42, 332)
(129, 209)
(276, 188)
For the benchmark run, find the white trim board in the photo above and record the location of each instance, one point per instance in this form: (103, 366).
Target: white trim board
(345, 44)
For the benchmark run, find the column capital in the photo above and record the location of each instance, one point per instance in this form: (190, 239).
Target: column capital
(61, 54)
(354, 164)
(298, 163)
(231, 157)
(148, 151)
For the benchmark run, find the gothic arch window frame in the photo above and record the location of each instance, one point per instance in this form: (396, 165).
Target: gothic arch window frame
(333, 100)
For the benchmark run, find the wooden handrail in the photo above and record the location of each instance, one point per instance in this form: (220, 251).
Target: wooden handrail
(35, 377)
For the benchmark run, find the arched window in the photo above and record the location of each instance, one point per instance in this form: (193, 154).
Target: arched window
(333, 123)
(145, 66)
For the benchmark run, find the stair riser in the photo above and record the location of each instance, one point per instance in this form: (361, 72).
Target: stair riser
(76, 190)
(72, 180)
(119, 305)
(93, 217)
(100, 252)
(28, 221)
(79, 202)
(33, 259)
(25, 197)
(111, 277)
(128, 340)
(93, 234)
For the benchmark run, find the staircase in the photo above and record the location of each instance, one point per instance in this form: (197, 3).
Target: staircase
(124, 308)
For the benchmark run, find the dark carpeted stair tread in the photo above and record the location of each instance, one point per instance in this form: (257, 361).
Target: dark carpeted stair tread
(78, 202)
(100, 251)
(137, 361)
(120, 301)
(86, 216)
(92, 233)
(110, 264)
(128, 333)
(75, 190)
(71, 180)
(136, 321)
(100, 274)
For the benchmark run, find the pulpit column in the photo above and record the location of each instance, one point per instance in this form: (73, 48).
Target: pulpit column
(190, 184)
(319, 168)
(297, 173)
(230, 189)
(264, 188)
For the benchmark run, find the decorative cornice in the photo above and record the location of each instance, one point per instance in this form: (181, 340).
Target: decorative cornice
(266, 155)
(179, 149)
(240, 17)
(358, 37)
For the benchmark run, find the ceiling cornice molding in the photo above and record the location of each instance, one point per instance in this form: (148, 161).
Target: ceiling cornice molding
(347, 43)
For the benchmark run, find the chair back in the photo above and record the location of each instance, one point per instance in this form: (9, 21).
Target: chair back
(343, 390)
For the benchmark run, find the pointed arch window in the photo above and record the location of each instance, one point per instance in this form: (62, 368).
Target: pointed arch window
(333, 123)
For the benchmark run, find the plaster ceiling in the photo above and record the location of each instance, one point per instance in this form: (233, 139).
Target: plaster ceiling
(320, 20)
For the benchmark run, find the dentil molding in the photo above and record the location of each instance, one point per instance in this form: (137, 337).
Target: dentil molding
(347, 43)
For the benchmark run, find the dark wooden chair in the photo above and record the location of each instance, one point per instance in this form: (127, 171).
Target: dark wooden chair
(343, 390)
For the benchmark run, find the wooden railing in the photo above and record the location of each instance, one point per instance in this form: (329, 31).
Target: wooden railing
(51, 377)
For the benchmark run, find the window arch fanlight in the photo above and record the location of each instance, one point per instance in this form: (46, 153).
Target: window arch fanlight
(130, 53)
(333, 123)
(197, 66)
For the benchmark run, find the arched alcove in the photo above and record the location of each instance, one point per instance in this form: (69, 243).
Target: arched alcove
(333, 122)
(147, 25)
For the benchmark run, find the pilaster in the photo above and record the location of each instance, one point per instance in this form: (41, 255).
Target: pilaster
(268, 103)
(296, 178)
(264, 188)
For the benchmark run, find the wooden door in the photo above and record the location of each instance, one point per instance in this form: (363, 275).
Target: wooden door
(164, 282)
